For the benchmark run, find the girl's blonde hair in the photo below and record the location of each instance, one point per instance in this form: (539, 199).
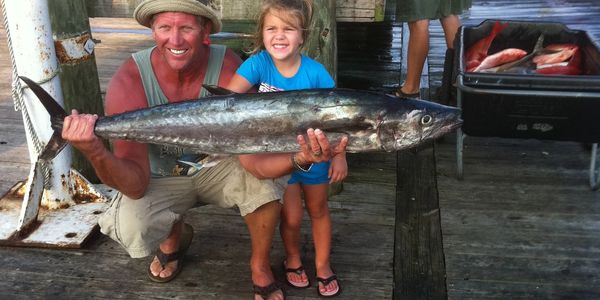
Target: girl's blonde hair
(295, 12)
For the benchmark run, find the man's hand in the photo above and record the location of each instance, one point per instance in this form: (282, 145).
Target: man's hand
(318, 149)
(78, 130)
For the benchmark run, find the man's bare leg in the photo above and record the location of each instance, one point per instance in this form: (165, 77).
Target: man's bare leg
(418, 48)
(168, 246)
(450, 24)
(261, 225)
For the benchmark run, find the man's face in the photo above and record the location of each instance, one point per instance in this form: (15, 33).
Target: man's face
(178, 37)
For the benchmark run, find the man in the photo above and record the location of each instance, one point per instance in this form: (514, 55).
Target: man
(146, 215)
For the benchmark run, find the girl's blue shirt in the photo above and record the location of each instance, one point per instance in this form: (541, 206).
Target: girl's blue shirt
(260, 71)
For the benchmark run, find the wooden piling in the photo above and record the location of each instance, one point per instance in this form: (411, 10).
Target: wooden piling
(78, 74)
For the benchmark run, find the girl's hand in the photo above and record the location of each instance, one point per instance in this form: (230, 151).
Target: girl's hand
(338, 170)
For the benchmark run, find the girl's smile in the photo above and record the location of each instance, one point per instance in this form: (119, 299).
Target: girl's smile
(282, 39)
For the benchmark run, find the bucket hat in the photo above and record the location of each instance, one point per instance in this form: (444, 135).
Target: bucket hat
(144, 11)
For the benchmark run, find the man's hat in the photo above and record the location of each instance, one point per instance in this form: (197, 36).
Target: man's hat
(143, 13)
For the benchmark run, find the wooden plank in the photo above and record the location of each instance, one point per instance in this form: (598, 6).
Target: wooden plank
(419, 268)
(376, 66)
(244, 9)
(240, 9)
(321, 42)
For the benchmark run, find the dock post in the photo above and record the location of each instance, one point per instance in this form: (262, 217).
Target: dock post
(419, 267)
(78, 72)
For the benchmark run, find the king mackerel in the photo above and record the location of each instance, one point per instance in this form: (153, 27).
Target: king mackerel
(232, 123)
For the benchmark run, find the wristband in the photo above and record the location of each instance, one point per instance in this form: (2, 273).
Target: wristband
(298, 167)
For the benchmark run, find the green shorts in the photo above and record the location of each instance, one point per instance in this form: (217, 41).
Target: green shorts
(140, 225)
(413, 10)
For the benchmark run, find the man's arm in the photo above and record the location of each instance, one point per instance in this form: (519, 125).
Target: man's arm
(127, 168)
(273, 165)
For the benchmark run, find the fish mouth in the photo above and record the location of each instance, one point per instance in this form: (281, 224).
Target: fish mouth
(456, 125)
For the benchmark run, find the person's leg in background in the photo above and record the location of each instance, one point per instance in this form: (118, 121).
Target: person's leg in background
(450, 24)
(418, 48)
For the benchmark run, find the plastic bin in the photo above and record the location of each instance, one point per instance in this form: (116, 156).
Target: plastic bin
(554, 107)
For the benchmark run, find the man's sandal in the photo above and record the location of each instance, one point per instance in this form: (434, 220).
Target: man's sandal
(298, 271)
(325, 282)
(186, 239)
(265, 291)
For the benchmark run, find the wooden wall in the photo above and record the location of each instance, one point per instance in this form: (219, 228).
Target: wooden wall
(346, 10)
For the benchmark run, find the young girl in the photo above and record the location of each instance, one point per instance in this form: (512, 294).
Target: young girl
(277, 65)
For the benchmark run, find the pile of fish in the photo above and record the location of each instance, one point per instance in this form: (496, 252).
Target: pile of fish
(554, 59)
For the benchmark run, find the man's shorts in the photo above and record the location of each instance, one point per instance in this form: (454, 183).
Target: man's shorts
(139, 225)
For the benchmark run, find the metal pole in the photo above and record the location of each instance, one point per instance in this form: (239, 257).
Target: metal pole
(32, 47)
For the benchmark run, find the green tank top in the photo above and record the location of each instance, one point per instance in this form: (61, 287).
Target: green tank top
(163, 159)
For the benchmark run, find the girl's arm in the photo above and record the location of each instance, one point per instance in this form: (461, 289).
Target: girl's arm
(239, 84)
(338, 170)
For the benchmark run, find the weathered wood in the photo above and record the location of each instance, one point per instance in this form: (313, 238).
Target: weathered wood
(78, 76)
(321, 43)
(419, 267)
(217, 264)
(523, 210)
(14, 157)
(521, 225)
(349, 10)
(372, 63)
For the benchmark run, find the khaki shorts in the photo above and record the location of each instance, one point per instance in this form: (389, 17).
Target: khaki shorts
(140, 225)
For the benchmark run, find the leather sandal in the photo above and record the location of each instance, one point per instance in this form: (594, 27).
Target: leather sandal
(186, 239)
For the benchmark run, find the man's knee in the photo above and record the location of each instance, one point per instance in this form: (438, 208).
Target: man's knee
(135, 228)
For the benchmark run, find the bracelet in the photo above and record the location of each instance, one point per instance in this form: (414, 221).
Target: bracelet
(298, 167)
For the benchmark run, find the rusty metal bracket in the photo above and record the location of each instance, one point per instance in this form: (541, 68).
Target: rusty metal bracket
(75, 49)
(65, 227)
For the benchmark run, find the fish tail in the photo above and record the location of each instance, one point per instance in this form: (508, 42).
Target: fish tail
(57, 116)
(498, 27)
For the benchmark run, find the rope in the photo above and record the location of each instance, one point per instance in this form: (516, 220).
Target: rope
(19, 103)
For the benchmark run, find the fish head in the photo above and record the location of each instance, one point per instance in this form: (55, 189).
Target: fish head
(407, 123)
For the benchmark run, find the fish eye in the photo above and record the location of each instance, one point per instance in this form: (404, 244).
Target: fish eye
(426, 120)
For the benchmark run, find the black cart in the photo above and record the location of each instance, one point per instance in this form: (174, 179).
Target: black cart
(552, 107)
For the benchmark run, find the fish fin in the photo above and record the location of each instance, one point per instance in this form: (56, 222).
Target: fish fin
(217, 90)
(498, 26)
(57, 116)
(54, 146)
(539, 44)
(537, 49)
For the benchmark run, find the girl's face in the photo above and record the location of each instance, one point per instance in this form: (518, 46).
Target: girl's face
(281, 39)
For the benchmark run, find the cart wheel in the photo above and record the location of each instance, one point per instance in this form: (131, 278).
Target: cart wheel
(460, 137)
(594, 169)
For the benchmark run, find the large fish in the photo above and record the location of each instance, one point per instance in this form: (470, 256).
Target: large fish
(500, 58)
(479, 50)
(566, 60)
(563, 53)
(270, 122)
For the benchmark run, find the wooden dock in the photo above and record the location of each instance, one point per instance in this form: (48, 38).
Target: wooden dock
(523, 224)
